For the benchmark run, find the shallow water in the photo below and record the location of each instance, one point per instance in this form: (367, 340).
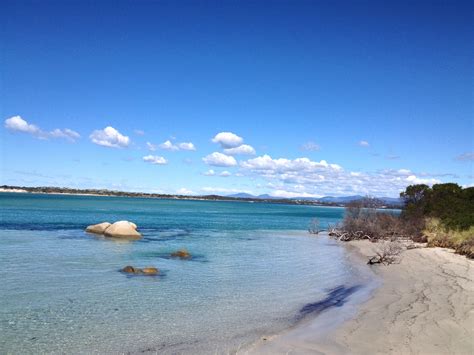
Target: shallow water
(254, 269)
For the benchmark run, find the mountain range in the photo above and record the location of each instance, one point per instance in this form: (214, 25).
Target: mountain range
(326, 199)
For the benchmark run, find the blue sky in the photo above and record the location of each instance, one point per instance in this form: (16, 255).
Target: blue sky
(329, 98)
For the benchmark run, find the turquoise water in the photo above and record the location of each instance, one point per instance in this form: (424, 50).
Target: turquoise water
(254, 267)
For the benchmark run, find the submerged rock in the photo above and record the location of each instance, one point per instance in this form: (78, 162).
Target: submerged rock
(123, 229)
(145, 271)
(98, 228)
(182, 254)
(150, 271)
(129, 269)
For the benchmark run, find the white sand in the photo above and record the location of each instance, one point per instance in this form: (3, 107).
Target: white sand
(12, 190)
(424, 306)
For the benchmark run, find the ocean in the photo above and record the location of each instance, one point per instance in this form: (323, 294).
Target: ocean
(254, 271)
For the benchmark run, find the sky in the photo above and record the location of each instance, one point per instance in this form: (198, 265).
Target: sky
(289, 98)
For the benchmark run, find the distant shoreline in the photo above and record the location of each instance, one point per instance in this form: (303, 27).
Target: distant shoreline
(111, 193)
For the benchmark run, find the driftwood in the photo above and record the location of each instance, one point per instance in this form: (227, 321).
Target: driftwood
(313, 227)
(388, 253)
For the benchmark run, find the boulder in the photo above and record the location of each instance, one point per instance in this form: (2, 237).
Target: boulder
(123, 229)
(136, 271)
(98, 228)
(182, 254)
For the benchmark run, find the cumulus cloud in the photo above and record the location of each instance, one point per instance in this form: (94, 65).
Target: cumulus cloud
(303, 177)
(228, 140)
(168, 145)
(109, 137)
(267, 164)
(214, 190)
(154, 159)
(468, 156)
(219, 159)
(292, 194)
(243, 149)
(186, 146)
(18, 124)
(364, 144)
(225, 173)
(210, 172)
(310, 146)
(151, 147)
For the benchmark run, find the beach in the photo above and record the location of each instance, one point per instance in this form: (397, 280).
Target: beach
(425, 305)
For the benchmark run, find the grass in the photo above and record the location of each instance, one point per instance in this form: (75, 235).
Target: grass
(462, 241)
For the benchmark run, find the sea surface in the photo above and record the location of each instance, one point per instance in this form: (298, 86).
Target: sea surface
(255, 271)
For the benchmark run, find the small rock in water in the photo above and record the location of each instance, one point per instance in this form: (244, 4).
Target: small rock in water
(129, 269)
(145, 271)
(150, 271)
(182, 254)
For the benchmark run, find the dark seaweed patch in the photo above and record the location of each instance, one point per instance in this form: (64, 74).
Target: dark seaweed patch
(167, 255)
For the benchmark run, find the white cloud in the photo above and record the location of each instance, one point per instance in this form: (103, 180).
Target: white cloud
(302, 177)
(66, 133)
(210, 172)
(18, 124)
(225, 174)
(413, 179)
(310, 146)
(243, 149)
(184, 191)
(282, 165)
(214, 190)
(109, 137)
(228, 139)
(291, 194)
(364, 144)
(151, 147)
(219, 159)
(139, 132)
(186, 146)
(154, 159)
(168, 146)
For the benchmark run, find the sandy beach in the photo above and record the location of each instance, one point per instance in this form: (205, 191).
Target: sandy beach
(425, 305)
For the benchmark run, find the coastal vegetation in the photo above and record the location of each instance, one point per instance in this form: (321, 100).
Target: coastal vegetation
(441, 215)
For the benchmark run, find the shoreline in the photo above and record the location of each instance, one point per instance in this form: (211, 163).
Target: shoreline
(424, 305)
(209, 197)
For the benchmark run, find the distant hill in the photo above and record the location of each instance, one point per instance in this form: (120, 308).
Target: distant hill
(326, 199)
(246, 195)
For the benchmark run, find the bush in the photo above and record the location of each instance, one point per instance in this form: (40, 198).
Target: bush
(450, 203)
(438, 235)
